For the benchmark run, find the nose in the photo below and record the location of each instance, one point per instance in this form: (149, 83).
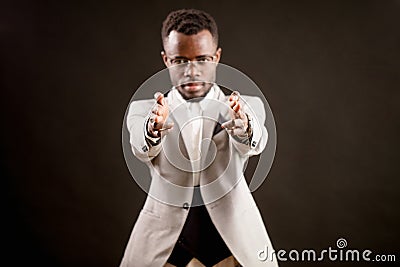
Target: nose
(191, 70)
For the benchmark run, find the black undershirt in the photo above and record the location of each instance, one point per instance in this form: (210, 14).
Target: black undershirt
(199, 238)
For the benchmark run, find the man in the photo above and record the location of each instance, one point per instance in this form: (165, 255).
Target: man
(196, 142)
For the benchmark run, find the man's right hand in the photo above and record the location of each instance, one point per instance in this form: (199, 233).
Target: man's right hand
(157, 123)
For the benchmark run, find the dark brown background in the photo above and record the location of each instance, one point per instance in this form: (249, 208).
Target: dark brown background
(329, 69)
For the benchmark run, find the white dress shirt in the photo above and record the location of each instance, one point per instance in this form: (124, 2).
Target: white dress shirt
(196, 128)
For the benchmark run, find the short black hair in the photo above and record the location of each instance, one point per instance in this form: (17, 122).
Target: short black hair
(189, 22)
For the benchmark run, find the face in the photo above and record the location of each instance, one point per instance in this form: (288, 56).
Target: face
(195, 78)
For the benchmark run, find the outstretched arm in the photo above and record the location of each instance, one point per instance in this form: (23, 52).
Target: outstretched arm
(146, 122)
(246, 127)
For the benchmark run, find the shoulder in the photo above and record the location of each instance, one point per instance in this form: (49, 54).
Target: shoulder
(141, 106)
(253, 105)
(142, 102)
(250, 100)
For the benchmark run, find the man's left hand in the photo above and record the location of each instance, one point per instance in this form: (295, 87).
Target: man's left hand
(238, 125)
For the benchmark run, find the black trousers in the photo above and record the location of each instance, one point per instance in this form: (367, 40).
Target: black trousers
(199, 238)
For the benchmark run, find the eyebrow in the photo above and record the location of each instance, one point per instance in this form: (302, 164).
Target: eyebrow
(180, 57)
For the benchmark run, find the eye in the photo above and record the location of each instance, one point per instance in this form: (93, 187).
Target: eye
(178, 61)
(204, 59)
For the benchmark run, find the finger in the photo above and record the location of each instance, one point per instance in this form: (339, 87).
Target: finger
(154, 110)
(166, 127)
(234, 96)
(159, 119)
(151, 122)
(238, 132)
(237, 107)
(160, 124)
(161, 131)
(236, 93)
(227, 124)
(234, 123)
(237, 112)
(164, 131)
(156, 126)
(159, 110)
(238, 123)
(159, 97)
(232, 103)
(152, 116)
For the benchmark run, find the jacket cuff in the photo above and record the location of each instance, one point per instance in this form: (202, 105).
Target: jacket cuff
(151, 141)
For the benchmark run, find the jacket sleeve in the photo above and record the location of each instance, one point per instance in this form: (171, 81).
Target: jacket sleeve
(135, 121)
(254, 108)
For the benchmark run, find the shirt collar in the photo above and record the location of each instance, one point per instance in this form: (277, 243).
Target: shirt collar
(210, 95)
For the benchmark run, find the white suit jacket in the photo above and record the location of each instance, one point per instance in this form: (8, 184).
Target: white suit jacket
(223, 187)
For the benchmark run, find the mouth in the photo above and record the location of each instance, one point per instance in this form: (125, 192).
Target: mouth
(193, 86)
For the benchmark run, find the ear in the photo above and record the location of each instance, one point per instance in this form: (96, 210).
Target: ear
(218, 54)
(165, 59)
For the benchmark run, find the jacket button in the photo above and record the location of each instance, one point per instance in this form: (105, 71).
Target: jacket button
(253, 144)
(185, 205)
